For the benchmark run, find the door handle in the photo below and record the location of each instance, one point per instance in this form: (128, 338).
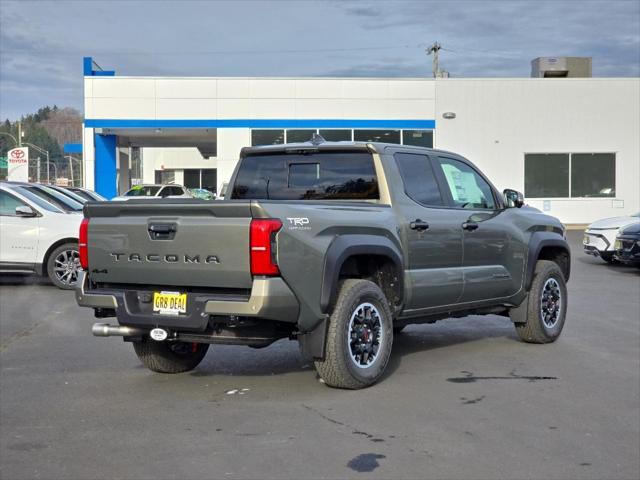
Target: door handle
(470, 226)
(419, 225)
(162, 231)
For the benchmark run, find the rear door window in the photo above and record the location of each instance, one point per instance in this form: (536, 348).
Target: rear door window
(315, 176)
(419, 180)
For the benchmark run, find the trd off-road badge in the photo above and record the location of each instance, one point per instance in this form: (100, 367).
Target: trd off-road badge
(298, 223)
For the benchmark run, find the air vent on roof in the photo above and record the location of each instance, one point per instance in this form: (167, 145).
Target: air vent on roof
(554, 67)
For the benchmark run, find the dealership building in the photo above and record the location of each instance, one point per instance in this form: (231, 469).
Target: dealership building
(572, 145)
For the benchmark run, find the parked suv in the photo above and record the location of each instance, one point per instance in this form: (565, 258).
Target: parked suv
(37, 236)
(154, 191)
(335, 245)
(599, 237)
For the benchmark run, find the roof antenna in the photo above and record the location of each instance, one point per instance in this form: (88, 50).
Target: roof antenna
(316, 139)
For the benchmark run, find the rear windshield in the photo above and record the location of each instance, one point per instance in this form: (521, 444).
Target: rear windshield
(142, 191)
(318, 176)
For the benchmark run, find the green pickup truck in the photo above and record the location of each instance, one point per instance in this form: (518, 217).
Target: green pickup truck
(336, 245)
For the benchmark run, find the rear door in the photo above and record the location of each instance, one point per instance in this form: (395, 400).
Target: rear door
(432, 236)
(488, 253)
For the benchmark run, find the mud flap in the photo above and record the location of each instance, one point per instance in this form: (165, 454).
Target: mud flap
(519, 314)
(312, 344)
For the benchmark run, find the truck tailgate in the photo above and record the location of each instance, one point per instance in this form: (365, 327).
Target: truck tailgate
(170, 242)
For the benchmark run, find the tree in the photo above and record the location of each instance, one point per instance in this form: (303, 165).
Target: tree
(49, 128)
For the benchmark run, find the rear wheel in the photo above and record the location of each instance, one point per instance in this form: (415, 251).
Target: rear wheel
(170, 357)
(547, 305)
(359, 338)
(63, 266)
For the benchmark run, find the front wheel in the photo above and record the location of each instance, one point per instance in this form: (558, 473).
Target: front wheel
(170, 357)
(547, 305)
(360, 336)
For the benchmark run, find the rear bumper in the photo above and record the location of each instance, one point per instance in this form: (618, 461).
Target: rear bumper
(270, 299)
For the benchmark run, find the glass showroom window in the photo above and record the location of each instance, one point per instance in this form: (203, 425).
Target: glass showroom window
(298, 136)
(336, 135)
(201, 178)
(418, 138)
(546, 175)
(165, 176)
(575, 175)
(386, 136)
(267, 137)
(593, 174)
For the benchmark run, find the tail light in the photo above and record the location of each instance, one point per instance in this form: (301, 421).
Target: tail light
(83, 249)
(262, 241)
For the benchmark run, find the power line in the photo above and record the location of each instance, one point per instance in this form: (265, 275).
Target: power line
(207, 52)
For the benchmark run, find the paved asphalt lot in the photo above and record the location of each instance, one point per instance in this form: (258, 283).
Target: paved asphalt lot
(462, 399)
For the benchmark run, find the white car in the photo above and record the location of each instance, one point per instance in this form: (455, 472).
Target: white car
(38, 237)
(154, 191)
(600, 236)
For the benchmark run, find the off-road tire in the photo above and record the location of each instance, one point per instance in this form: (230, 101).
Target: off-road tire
(534, 330)
(162, 358)
(51, 265)
(338, 369)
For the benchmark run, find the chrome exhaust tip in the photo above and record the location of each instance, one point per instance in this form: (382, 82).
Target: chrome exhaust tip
(107, 330)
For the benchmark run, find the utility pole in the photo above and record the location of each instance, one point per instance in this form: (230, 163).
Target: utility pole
(434, 50)
(19, 133)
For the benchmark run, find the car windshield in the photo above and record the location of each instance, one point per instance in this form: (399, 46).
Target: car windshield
(88, 194)
(70, 194)
(142, 191)
(59, 200)
(41, 203)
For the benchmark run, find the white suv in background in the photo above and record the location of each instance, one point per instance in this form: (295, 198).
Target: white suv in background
(154, 191)
(600, 236)
(38, 237)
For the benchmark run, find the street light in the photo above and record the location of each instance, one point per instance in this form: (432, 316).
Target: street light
(73, 183)
(45, 152)
(9, 135)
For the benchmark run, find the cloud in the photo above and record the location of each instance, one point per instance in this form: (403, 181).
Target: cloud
(42, 43)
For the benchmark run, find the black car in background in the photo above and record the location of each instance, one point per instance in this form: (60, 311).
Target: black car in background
(627, 245)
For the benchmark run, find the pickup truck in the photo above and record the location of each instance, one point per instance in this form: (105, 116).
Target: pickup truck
(336, 245)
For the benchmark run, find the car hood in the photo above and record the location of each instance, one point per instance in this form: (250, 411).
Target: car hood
(633, 229)
(613, 222)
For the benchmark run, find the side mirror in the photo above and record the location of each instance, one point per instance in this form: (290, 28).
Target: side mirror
(513, 198)
(25, 211)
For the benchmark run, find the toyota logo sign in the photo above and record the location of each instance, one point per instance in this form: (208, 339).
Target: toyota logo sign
(18, 163)
(17, 154)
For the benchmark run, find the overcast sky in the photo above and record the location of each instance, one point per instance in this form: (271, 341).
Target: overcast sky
(42, 43)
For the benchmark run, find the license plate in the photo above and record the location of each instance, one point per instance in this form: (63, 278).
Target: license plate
(585, 240)
(169, 303)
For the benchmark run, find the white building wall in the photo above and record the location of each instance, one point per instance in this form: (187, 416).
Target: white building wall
(252, 98)
(499, 120)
